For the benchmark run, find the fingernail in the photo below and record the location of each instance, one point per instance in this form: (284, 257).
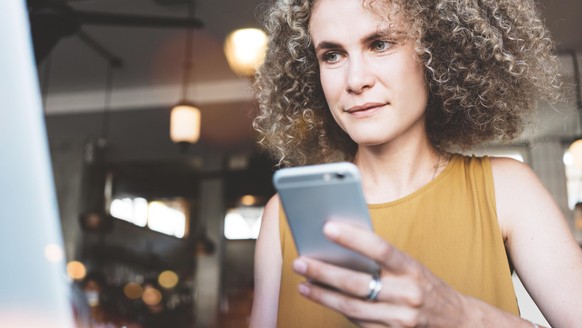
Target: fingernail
(304, 289)
(300, 266)
(331, 229)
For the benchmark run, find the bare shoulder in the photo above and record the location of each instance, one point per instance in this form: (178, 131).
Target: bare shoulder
(511, 170)
(518, 191)
(269, 233)
(270, 218)
(539, 241)
(510, 175)
(273, 204)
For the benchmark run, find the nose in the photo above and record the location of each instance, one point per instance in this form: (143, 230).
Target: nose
(359, 75)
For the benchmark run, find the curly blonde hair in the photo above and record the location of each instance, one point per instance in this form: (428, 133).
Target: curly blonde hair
(486, 63)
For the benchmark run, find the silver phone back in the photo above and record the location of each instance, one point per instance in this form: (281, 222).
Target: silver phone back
(312, 195)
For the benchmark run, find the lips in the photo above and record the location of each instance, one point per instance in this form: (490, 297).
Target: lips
(364, 108)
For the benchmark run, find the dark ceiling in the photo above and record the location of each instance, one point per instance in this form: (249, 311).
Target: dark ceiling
(74, 73)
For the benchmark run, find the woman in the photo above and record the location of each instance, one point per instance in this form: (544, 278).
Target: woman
(394, 87)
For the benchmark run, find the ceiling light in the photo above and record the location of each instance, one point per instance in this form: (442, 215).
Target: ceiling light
(185, 118)
(185, 123)
(245, 50)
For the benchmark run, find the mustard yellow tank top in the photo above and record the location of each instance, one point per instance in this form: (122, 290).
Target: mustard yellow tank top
(449, 225)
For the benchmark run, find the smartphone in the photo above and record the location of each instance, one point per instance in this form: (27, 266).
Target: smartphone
(312, 195)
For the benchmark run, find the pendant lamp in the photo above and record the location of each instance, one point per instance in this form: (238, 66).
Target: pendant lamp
(245, 50)
(96, 217)
(185, 117)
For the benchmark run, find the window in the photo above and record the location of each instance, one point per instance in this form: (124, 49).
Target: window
(515, 153)
(167, 216)
(243, 222)
(573, 180)
(133, 210)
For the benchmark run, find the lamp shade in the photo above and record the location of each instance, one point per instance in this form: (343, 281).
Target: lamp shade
(185, 123)
(245, 50)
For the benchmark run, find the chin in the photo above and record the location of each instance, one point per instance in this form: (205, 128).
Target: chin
(368, 142)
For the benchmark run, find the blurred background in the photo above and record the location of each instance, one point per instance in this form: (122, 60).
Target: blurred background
(160, 222)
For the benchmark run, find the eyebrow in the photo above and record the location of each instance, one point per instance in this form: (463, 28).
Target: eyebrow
(375, 36)
(327, 45)
(384, 33)
(379, 34)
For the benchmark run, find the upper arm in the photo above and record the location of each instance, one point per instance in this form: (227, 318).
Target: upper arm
(542, 248)
(268, 262)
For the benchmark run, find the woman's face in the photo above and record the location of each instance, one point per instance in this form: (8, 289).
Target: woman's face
(373, 84)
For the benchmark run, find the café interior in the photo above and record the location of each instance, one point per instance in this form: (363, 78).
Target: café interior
(159, 179)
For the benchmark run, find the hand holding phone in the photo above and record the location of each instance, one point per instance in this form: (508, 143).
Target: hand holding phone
(312, 195)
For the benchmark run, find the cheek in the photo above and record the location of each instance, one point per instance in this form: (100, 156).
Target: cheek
(331, 91)
(416, 90)
(330, 86)
(417, 94)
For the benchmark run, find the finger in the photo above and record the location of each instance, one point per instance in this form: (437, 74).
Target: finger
(395, 289)
(369, 244)
(358, 310)
(348, 281)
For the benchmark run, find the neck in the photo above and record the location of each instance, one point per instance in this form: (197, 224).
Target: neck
(392, 172)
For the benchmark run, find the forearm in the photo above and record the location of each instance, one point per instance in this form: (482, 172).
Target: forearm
(268, 263)
(481, 314)
(263, 317)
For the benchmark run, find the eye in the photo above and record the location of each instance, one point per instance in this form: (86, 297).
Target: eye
(381, 45)
(331, 57)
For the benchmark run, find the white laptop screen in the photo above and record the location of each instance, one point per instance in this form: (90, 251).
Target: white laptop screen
(34, 291)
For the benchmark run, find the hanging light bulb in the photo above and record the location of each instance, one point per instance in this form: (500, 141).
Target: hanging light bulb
(185, 118)
(245, 50)
(185, 123)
